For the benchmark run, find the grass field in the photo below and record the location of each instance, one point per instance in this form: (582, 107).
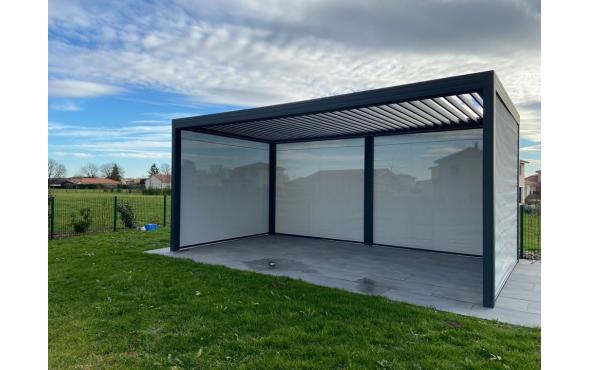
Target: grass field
(148, 209)
(113, 306)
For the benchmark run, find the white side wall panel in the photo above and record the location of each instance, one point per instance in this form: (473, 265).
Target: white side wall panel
(224, 188)
(319, 189)
(428, 191)
(505, 193)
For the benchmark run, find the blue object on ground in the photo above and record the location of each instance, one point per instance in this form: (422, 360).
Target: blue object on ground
(149, 227)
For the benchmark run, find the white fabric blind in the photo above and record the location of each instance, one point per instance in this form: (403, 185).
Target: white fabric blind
(505, 193)
(224, 188)
(428, 191)
(320, 189)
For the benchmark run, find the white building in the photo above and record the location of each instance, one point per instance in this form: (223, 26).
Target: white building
(158, 181)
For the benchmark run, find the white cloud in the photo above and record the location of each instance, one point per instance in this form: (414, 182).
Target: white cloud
(142, 154)
(249, 54)
(66, 106)
(139, 141)
(56, 129)
(536, 148)
(147, 121)
(530, 123)
(74, 154)
(80, 89)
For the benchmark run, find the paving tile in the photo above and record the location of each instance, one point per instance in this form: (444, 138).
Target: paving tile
(512, 303)
(520, 294)
(534, 307)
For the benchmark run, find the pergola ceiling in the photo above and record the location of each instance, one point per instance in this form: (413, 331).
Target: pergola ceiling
(444, 112)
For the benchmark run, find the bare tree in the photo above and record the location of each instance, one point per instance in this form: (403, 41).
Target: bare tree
(55, 169)
(89, 170)
(165, 169)
(107, 170)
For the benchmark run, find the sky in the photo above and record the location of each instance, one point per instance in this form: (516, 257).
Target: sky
(119, 71)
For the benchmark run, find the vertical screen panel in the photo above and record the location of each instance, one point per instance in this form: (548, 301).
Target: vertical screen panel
(505, 193)
(428, 191)
(319, 190)
(224, 188)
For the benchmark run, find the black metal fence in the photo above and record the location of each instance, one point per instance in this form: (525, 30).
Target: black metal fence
(74, 214)
(530, 232)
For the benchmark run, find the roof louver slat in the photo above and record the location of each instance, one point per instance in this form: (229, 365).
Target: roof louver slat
(428, 113)
(457, 103)
(472, 105)
(441, 110)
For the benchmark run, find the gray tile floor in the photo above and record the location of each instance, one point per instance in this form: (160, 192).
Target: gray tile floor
(446, 282)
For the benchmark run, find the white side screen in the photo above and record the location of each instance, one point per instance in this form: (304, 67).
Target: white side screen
(319, 189)
(505, 192)
(224, 188)
(428, 191)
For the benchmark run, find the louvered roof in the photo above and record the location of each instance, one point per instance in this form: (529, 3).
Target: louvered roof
(443, 104)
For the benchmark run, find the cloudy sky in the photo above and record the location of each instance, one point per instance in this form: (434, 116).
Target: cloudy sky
(120, 70)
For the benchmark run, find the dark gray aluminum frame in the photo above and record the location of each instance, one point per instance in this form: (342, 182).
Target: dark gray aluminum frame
(249, 124)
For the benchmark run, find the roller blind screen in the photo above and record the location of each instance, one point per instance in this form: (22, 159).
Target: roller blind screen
(320, 189)
(505, 193)
(428, 191)
(224, 188)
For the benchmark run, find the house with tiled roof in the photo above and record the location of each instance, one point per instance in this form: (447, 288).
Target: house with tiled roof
(158, 181)
(533, 185)
(101, 182)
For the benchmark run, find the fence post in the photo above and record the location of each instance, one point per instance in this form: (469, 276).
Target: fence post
(164, 222)
(115, 215)
(521, 232)
(52, 220)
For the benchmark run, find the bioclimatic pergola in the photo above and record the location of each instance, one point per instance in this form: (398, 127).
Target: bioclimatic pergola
(431, 165)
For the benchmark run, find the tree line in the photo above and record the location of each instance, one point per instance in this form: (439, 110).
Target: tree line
(110, 170)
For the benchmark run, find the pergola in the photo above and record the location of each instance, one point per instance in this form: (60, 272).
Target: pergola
(430, 165)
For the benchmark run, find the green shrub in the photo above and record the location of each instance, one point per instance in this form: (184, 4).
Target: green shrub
(82, 221)
(127, 215)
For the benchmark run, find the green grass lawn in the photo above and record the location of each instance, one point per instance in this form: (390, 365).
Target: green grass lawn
(148, 209)
(113, 306)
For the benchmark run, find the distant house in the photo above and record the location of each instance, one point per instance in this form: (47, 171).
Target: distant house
(99, 182)
(60, 182)
(533, 186)
(158, 181)
(521, 181)
(133, 182)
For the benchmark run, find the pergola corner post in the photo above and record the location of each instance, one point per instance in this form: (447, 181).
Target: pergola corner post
(272, 186)
(489, 97)
(368, 189)
(175, 201)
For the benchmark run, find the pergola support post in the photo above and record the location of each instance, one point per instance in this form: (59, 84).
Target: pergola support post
(368, 189)
(175, 193)
(272, 185)
(489, 97)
